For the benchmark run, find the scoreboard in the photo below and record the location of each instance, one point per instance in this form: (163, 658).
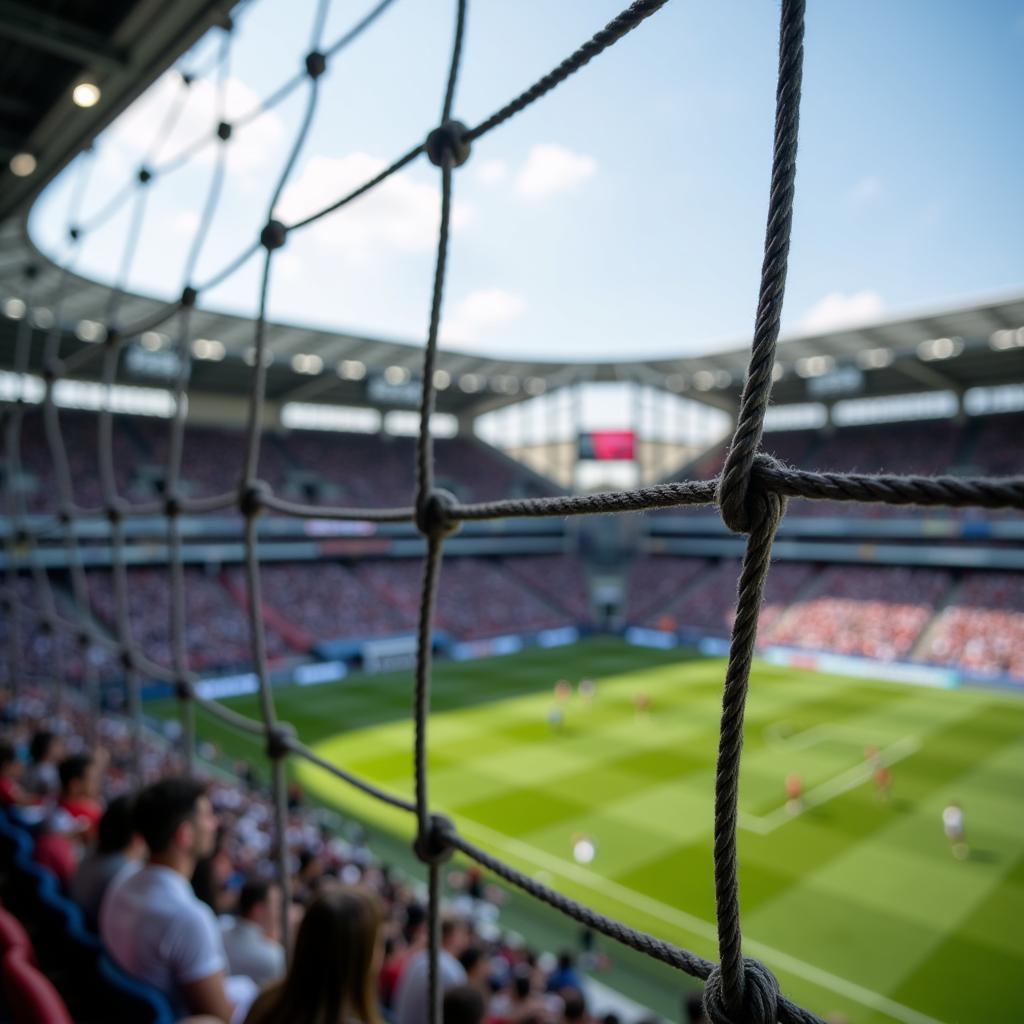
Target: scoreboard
(607, 445)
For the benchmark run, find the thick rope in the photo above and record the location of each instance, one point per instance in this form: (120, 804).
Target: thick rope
(757, 389)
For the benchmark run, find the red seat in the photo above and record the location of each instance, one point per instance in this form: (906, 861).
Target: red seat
(56, 853)
(31, 997)
(14, 936)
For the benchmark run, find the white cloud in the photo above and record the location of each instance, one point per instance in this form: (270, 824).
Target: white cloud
(250, 146)
(479, 310)
(400, 213)
(491, 171)
(185, 222)
(837, 310)
(865, 190)
(550, 168)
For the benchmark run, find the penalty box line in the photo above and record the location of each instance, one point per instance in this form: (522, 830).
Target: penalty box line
(834, 787)
(697, 926)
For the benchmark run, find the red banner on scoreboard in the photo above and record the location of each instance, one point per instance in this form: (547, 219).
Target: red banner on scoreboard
(608, 445)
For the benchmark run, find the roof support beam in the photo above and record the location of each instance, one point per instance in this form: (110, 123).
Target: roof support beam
(40, 30)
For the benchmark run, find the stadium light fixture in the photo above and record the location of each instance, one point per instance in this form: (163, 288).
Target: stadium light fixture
(778, 371)
(535, 386)
(1003, 340)
(208, 348)
(14, 309)
(875, 358)
(703, 380)
(86, 94)
(675, 382)
(22, 165)
(442, 380)
(396, 375)
(250, 356)
(42, 317)
(814, 366)
(940, 348)
(351, 369)
(307, 363)
(153, 341)
(470, 383)
(723, 378)
(90, 330)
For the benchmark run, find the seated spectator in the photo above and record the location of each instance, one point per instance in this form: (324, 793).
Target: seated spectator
(45, 753)
(333, 971)
(565, 974)
(12, 793)
(118, 848)
(79, 792)
(411, 996)
(463, 1004)
(56, 852)
(251, 939)
(575, 1011)
(150, 920)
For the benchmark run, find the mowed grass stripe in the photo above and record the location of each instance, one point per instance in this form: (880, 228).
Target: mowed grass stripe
(643, 788)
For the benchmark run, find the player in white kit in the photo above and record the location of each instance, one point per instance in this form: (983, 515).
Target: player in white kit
(953, 826)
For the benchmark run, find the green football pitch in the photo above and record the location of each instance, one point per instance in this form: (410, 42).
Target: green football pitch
(854, 901)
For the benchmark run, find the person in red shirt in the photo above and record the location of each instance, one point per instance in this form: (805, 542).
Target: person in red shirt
(12, 794)
(79, 793)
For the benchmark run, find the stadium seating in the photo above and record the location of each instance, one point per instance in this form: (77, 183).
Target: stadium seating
(30, 995)
(982, 630)
(875, 612)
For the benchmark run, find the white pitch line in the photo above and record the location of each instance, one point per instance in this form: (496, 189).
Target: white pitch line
(698, 926)
(850, 779)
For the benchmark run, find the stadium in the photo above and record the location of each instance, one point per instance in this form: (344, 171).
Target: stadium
(399, 676)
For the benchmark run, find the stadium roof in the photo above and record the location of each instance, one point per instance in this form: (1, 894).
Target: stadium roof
(956, 349)
(47, 49)
(125, 44)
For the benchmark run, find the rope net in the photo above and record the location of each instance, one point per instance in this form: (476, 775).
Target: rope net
(751, 491)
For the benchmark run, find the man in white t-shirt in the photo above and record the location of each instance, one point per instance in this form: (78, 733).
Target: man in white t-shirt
(411, 1000)
(151, 922)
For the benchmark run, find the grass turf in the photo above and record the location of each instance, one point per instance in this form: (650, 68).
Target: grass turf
(856, 903)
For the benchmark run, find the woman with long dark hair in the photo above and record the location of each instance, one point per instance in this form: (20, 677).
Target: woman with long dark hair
(333, 973)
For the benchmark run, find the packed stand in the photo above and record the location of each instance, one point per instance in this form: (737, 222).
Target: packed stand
(558, 579)
(36, 639)
(878, 612)
(174, 882)
(80, 432)
(476, 598)
(655, 583)
(982, 629)
(216, 625)
(324, 600)
(706, 601)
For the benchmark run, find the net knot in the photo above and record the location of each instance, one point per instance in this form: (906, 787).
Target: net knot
(253, 498)
(449, 138)
(434, 846)
(189, 296)
(74, 233)
(115, 512)
(745, 502)
(127, 659)
(273, 235)
(31, 271)
(187, 79)
(280, 737)
(224, 131)
(183, 690)
(172, 506)
(316, 64)
(758, 1003)
(145, 175)
(434, 514)
(84, 639)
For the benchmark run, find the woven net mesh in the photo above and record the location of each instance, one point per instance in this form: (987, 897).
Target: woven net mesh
(751, 491)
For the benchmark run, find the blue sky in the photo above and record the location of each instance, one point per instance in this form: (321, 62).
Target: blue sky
(624, 213)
